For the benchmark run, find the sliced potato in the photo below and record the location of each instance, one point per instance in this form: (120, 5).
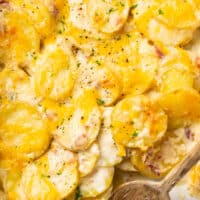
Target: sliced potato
(135, 63)
(95, 75)
(157, 161)
(53, 176)
(176, 71)
(62, 167)
(20, 42)
(38, 15)
(108, 16)
(81, 124)
(52, 76)
(161, 33)
(97, 182)
(2, 195)
(87, 159)
(174, 78)
(15, 84)
(108, 149)
(99, 16)
(184, 14)
(20, 127)
(138, 123)
(105, 196)
(126, 166)
(194, 184)
(151, 18)
(180, 105)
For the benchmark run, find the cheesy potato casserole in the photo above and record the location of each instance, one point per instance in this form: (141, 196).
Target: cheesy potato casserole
(92, 87)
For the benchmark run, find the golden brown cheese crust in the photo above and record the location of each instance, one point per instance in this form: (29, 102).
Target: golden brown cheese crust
(87, 85)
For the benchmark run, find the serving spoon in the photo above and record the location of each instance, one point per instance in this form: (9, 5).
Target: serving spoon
(152, 190)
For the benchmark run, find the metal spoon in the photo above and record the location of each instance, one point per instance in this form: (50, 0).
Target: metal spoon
(152, 190)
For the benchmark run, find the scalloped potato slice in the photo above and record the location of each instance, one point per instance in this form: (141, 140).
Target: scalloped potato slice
(62, 167)
(174, 78)
(2, 195)
(81, 124)
(105, 196)
(87, 159)
(179, 14)
(29, 184)
(19, 41)
(161, 33)
(97, 182)
(176, 71)
(181, 103)
(99, 16)
(126, 166)
(20, 127)
(137, 122)
(100, 78)
(194, 184)
(38, 15)
(158, 160)
(108, 16)
(15, 84)
(154, 19)
(52, 76)
(53, 176)
(108, 149)
(135, 65)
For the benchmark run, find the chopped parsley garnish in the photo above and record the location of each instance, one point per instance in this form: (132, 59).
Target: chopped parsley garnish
(122, 4)
(160, 12)
(100, 102)
(135, 134)
(97, 62)
(78, 194)
(45, 176)
(78, 65)
(134, 6)
(111, 10)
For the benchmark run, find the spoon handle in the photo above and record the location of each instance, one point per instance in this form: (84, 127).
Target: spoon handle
(181, 169)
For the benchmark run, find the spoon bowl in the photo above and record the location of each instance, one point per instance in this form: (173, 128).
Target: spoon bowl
(140, 190)
(152, 190)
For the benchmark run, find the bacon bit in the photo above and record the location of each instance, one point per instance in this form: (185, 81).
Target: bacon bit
(81, 141)
(154, 169)
(188, 133)
(4, 2)
(51, 115)
(197, 61)
(118, 21)
(107, 83)
(55, 11)
(159, 157)
(2, 29)
(159, 52)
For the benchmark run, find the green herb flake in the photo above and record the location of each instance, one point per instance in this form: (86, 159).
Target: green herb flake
(59, 173)
(128, 35)
(135, 134)
(111, 10)
(45, 176)
(78, 65)
(134, 6)
(78, 194)
(122, 4)
(97, 62)
(100, 102)
(160, 12)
